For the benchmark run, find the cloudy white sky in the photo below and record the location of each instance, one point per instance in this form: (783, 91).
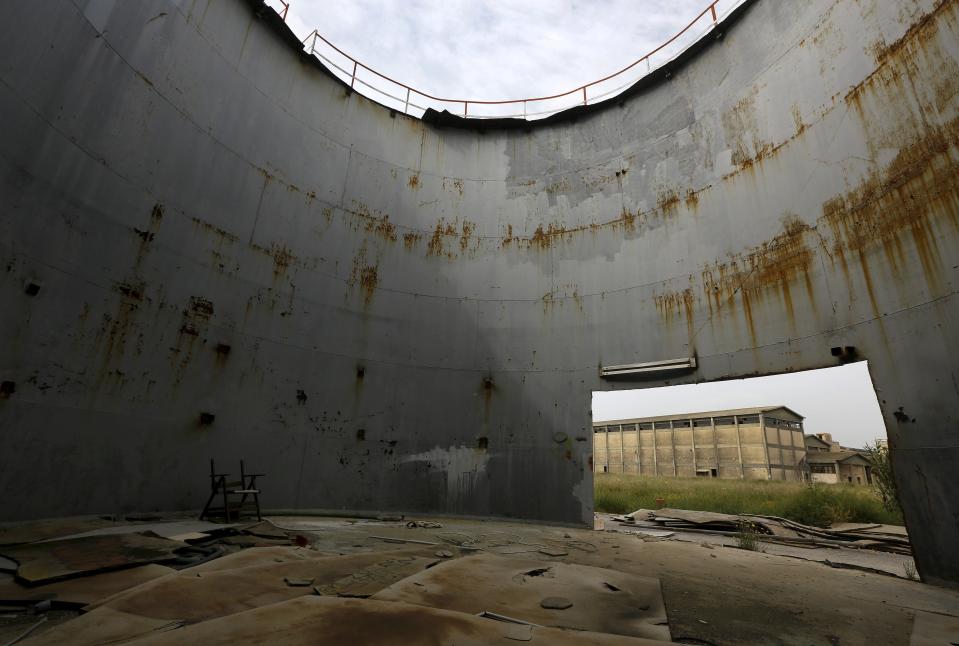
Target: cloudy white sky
(497, 49)
(837, 400)
(507, 50)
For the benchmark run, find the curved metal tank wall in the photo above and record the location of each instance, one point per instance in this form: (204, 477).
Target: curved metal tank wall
(381, 313)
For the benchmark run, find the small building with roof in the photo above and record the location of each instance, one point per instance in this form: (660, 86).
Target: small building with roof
(830, 462)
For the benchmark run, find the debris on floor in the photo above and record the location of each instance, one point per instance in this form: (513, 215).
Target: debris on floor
(425, 524)
(772, 529)
(286, 580)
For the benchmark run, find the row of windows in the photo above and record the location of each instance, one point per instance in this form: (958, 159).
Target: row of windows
(822, 468)
(681, 423)
(783, 423)
(705, 421)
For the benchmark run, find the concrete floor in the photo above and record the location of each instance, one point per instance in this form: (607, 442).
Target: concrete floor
(713, 593)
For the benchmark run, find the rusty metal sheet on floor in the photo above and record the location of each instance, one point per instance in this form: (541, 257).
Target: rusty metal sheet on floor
(165, 528)
(83, 590)
(256, 556)
(198, 596)
(47, 528)
(55, 560)
(112, 628)
(602, 600)
(364, 621)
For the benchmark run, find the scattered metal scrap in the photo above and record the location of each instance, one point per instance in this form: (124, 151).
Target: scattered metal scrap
(391, 539)
(58, 569)
(770, 528)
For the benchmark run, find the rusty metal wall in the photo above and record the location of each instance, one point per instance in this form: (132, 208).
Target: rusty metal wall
(384, 314)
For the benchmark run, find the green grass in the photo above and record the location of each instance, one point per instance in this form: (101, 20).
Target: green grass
(810, 504)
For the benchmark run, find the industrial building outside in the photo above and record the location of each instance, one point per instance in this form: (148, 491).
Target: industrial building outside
(753, 443)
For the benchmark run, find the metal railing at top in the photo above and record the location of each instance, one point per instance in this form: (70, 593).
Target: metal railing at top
(405, 98)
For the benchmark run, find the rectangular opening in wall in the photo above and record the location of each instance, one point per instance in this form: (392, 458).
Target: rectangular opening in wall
(757, 445)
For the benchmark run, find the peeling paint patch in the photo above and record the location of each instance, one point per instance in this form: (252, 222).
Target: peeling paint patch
(462, 465)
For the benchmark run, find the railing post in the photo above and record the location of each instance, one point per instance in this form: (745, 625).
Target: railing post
(466, 107)
(712, 10)
(524, 109)
(406, 108)
(584, 95)
(353, 80)
(313, 46)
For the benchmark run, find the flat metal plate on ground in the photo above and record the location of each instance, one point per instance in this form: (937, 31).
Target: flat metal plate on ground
(354, 621)
(56, 560)
(83, 590)
(165, 529)
(194, 596)
(258, 556)
(39, 530)
(112, 628)
(602, 600)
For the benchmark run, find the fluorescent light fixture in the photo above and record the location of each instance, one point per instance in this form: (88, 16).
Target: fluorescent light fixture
(668, 365)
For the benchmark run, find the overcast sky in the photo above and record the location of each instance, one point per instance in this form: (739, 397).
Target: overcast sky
(837, 400)
(507, 50)
(496, 49)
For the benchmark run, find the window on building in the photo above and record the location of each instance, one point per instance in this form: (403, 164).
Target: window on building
(645, 426)
(599, 429)
(702, 421)
(725, 421)
(681, 423)
(749, 419)
(628, 427)
(822, 468)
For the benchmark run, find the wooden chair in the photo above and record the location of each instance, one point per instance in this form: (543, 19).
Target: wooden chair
(245, 488)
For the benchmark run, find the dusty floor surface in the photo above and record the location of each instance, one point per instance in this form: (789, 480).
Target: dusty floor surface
(301, 579)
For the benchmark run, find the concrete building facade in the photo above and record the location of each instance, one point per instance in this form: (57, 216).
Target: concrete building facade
(764, 443)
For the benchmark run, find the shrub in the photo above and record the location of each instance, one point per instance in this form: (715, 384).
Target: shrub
(883, 478)
(748, 538)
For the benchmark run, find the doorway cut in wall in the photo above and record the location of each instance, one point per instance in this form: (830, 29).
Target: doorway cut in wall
(793, 426)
